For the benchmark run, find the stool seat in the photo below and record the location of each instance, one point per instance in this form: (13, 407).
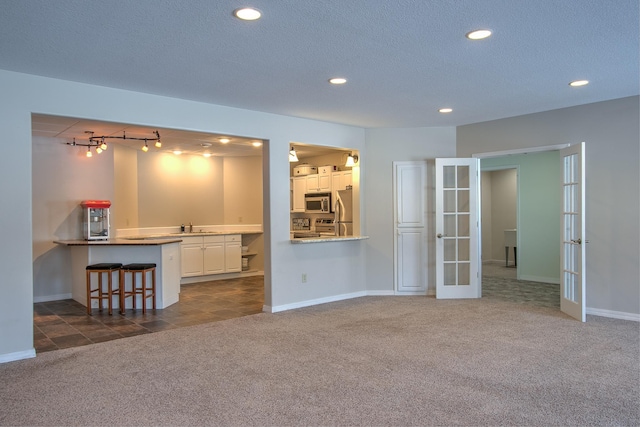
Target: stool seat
(103, 268)
(138, 267)
(138, 289)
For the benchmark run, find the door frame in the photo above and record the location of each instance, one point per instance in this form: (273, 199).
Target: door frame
(505, 153)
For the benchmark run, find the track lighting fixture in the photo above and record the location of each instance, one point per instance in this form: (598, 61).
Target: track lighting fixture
(100, 144)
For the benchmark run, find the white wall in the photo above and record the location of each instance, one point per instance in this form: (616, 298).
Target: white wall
(611, 132)
(242, 190)
(175, 190)
(63, 177)
(333, 269)
(384, 146)
(124, 209)
(503, 210)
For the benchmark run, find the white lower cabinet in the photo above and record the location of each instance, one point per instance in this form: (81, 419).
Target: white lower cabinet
(232, 253)
(213, 254)
(205, 255)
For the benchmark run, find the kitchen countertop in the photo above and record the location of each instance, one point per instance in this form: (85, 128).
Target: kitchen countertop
(321, 239)
(120, 242)
(187, 234)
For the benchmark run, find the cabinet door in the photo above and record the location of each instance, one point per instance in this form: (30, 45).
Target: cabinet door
(324, 183)
(339, 181)
(213, 257)
(312, 183)
(299, 189)
(191, 254)
(233, 256)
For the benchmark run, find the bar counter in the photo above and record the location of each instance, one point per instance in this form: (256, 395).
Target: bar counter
(164, 252)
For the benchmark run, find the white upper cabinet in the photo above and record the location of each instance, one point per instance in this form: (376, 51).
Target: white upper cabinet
(299, 184)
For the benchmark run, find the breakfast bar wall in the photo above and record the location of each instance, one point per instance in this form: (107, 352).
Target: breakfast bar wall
(165, 253)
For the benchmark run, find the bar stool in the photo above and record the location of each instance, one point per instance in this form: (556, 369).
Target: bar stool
(143, 289)
(101, 269)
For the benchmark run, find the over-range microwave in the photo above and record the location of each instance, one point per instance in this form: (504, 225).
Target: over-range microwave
(317, 202)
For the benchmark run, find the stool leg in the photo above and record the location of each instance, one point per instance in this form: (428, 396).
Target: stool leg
(144, 291)
(110, 292)
(122, 289)
(133, 289)
(153, 287)
(89, 292)
(100, 297)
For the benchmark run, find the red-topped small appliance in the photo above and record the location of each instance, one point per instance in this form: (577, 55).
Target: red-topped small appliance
(96, 219)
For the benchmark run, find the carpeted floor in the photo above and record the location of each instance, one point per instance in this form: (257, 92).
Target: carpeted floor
(367, 361)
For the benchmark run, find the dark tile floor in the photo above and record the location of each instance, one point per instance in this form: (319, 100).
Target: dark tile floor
(499, 282)
(63, 324)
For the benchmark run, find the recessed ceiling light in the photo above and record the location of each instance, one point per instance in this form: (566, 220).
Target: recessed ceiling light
(256, 143)
(207, 154)
(247, 13)
(337, 80)
(445, 110)
(478, 34)
(177, 152)
(577, 83)
(224, 140)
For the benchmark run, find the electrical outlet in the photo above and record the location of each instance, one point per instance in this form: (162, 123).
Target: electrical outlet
(304, 277)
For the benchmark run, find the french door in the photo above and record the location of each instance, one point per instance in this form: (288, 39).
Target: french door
(572, 240)
(458, 271)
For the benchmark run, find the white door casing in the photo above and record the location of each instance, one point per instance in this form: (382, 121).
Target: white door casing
(458, 267)
(410, 231)
(572, 233)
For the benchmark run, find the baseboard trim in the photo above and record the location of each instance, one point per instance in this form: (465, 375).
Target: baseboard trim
(221, 276)
(613, 314)
(540, 279)
(48, 298)
(380, 293)
(309, 303)
(18, 355)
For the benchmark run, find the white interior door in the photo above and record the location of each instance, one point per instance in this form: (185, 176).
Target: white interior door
(572, 253)
(410, 241)
(458, 268)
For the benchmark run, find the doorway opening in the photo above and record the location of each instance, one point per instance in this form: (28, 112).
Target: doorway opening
(520, 227)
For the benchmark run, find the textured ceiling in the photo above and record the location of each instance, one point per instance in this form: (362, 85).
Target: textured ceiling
(404, 59)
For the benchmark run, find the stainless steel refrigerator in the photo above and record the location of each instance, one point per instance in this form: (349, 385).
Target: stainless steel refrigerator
(344, 213)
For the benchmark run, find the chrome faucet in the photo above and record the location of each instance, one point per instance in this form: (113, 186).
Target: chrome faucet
(190, 227)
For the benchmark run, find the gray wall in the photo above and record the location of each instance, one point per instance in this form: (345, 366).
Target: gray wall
(334, 270)
(384, 146)
(611, 132)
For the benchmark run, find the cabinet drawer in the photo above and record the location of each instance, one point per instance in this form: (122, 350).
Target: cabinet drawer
(213, 239)
(233, 238)
(191, 240)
